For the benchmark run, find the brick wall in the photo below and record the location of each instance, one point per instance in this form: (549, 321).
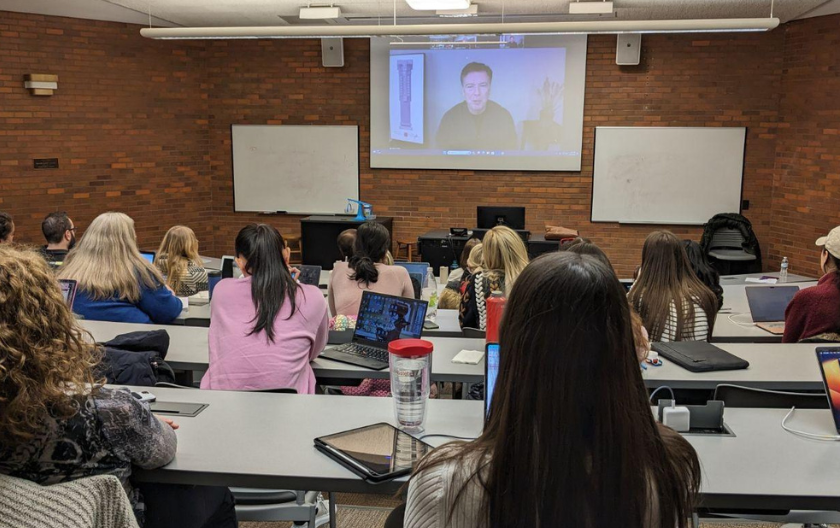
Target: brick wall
(806, 201)
(149, 122)
(128, 125)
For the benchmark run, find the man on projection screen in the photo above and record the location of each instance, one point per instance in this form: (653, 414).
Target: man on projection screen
(477, 123)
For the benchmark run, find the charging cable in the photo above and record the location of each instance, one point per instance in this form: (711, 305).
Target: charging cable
(804, 434)
(745, 325)
(673, 398)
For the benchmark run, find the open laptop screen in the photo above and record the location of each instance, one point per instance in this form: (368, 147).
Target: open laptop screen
(148, 255)
(385, 318)
(768, 303)
(68, 289)
(491, 372)
(829, 360)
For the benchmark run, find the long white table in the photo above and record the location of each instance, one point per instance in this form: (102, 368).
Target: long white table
(188, 350)
(266, 440)
(728, 280)
(734, 323)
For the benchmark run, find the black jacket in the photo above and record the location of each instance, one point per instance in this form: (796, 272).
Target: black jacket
(136, 358)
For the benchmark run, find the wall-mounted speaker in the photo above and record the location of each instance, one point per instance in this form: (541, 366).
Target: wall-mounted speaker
(332, 52)
(628, 50)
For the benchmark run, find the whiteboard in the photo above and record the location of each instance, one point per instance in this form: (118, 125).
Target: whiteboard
(304, 169)
(666, 175)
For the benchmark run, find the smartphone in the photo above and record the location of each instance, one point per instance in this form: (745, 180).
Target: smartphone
(491, 372)
(145, 396)
(428, 325)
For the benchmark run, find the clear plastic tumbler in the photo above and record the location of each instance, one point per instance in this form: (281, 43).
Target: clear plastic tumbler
(411, 368)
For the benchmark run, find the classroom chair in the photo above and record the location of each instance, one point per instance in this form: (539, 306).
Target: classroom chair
(738, 396)
(408, 246)
(727, 248)
(293, 243)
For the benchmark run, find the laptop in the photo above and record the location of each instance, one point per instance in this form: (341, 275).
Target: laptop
(227, 266)
(418, 270)
(68, 289)
(148, 255)
(491, 372)
(309, 275)
(768, 304)
(829, 359)
(382, 319)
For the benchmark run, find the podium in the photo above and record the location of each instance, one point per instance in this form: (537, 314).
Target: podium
(318, 235)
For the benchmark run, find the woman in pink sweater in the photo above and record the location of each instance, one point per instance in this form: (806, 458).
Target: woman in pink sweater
(265, 328)
(366, 271)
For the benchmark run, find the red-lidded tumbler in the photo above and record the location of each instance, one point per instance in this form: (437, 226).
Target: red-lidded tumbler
(411, 370)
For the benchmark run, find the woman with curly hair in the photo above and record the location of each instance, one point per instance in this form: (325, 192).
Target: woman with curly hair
(56, 423)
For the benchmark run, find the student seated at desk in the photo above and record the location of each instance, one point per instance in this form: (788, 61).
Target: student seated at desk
(60, 234)
(178, 261)
(346, 240)
(115, 283)
(609, 464)
(58, 425)
(266, 327)
(503, 258)
(666, 281)
(704, 271)
(470, 263)
(367, 270)
(815, 312)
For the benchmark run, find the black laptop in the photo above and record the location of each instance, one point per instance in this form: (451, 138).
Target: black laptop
(382, 319)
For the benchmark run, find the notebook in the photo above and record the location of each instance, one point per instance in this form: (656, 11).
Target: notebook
(768, 304)
(699, 356)
(382, 319)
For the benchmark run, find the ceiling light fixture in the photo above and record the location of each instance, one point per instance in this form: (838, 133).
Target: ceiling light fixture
(320, 13)
(434, 5)
(591, 8)
(519, 28)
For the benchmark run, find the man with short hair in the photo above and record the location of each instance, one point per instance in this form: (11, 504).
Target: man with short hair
(477, 123)
(60, 233)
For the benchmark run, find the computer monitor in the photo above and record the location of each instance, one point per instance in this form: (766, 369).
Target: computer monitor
(384, 318)
(148, 255)
(490, 217)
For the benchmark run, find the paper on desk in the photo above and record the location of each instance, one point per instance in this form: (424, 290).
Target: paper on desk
(185, 303)
(762, 280)
(469, 357)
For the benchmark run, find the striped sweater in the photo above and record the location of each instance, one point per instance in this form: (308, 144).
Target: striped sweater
(92, 502)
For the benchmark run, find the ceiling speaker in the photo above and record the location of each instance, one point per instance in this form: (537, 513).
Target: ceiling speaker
(628, 51)
(332, 52)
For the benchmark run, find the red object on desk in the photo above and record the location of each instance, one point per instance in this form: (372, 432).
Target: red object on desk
(495, 308)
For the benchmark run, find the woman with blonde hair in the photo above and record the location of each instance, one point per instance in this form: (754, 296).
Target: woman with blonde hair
(115, 283)
(503, 257)
(178, 261)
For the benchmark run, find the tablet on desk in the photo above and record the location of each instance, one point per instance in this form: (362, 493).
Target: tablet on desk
(377, 452)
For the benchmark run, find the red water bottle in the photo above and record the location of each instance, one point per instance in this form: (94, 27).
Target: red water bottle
(495, 308)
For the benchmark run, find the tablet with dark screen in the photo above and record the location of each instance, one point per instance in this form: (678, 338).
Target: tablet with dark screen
(376, 452)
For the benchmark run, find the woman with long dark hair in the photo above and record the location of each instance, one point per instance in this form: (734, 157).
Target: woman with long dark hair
(674, 304)
(570, 439)
(265, 328)
(561, 448)
(367, 269)
(704, 271)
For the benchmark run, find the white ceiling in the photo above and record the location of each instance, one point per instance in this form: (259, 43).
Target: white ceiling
(278, 12)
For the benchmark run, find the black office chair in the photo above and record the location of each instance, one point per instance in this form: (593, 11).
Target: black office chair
(738, 396)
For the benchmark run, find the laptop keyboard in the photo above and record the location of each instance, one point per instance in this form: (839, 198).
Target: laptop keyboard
(364, 351)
